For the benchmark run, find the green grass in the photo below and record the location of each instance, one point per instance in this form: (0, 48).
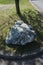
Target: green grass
(6, 1)
(8, 17)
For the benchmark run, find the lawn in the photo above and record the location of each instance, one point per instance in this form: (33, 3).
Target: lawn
(8, 17)
(6, 1)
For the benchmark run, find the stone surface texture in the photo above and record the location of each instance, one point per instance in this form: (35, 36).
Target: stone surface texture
(20, 34)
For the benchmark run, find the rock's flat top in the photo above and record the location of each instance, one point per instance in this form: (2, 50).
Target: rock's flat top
(20, 34)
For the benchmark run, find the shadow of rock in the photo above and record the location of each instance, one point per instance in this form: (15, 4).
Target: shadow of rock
(26, 49)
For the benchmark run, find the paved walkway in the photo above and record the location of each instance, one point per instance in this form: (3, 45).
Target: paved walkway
(30, 60)
(37, 61)
(38, 4)
(7, 6)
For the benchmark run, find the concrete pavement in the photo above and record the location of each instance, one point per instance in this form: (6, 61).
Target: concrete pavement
(26, 61)
(38, 4)
(6, 6)
(37, 61)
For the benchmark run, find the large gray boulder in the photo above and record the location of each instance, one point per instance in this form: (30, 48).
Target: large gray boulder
(20, 34)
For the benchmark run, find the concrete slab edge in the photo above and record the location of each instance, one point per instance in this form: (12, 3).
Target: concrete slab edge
(34, 6)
